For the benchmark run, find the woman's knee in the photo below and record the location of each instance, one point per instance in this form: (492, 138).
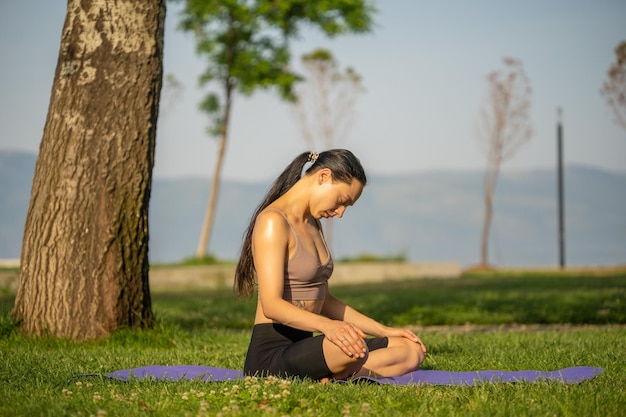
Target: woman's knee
(413, 353)
(340, 364)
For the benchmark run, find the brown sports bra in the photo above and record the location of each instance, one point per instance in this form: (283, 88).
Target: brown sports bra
(305, 277)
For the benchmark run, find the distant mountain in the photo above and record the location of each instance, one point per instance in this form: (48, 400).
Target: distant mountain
(430, 216)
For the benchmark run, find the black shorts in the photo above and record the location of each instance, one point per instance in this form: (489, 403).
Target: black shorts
(283, 351)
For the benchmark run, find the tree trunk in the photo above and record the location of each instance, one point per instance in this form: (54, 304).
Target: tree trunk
(489, 185)
(84, 262)
(207, 227)
(484, 242)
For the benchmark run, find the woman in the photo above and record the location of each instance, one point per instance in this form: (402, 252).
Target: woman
(284, 245)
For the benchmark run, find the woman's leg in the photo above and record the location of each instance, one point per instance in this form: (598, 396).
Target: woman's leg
(399, 357)
(341, 365)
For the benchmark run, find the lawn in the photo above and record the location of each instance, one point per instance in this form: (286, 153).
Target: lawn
(582, 318)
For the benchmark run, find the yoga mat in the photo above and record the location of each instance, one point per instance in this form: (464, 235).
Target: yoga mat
(429, 377)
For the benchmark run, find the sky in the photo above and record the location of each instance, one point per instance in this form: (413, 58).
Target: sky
(424, 68)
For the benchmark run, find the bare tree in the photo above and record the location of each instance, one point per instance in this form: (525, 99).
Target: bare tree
(326, 101)
(504, 127)
(325, 105)
(614, 88)
(84, 262)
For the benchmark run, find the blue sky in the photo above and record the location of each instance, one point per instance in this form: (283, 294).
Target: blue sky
(424, 68)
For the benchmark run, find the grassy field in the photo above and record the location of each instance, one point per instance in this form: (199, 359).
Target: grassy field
(542, 321)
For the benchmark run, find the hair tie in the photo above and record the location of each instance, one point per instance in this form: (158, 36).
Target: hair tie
(313, 157)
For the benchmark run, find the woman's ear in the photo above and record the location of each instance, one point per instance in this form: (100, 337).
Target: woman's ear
(324, 175)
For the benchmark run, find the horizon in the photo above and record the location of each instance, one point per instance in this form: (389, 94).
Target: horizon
(503, 171)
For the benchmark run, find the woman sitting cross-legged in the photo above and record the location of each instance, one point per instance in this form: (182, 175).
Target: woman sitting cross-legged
(285, 248)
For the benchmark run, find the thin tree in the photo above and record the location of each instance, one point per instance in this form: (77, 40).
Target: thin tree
(504, 127)
(325, 105)
(84, 262)
(246, 44)
(614, 88)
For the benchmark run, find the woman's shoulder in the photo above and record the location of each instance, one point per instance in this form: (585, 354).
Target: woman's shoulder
(272, 217)
(272, 227)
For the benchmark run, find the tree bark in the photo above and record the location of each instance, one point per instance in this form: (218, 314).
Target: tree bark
(84, 263)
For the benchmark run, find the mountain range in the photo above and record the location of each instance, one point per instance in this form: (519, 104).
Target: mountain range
(428, 216)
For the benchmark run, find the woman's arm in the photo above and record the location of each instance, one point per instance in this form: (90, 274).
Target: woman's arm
(338, 310)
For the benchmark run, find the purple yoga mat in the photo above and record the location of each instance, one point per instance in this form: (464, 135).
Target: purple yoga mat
(567, 375)
(207, 373)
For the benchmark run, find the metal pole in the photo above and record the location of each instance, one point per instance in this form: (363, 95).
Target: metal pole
(559, 141)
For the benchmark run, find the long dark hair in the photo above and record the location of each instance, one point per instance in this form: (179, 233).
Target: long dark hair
(344, 167)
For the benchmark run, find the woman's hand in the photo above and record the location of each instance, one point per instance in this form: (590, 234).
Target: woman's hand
(349, 338)
(406, 333)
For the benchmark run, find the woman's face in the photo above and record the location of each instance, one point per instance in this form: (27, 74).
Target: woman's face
(331, 198)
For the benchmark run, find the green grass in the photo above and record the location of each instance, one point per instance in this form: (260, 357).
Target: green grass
(373, 257)
(38, 376)
(208, 259)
